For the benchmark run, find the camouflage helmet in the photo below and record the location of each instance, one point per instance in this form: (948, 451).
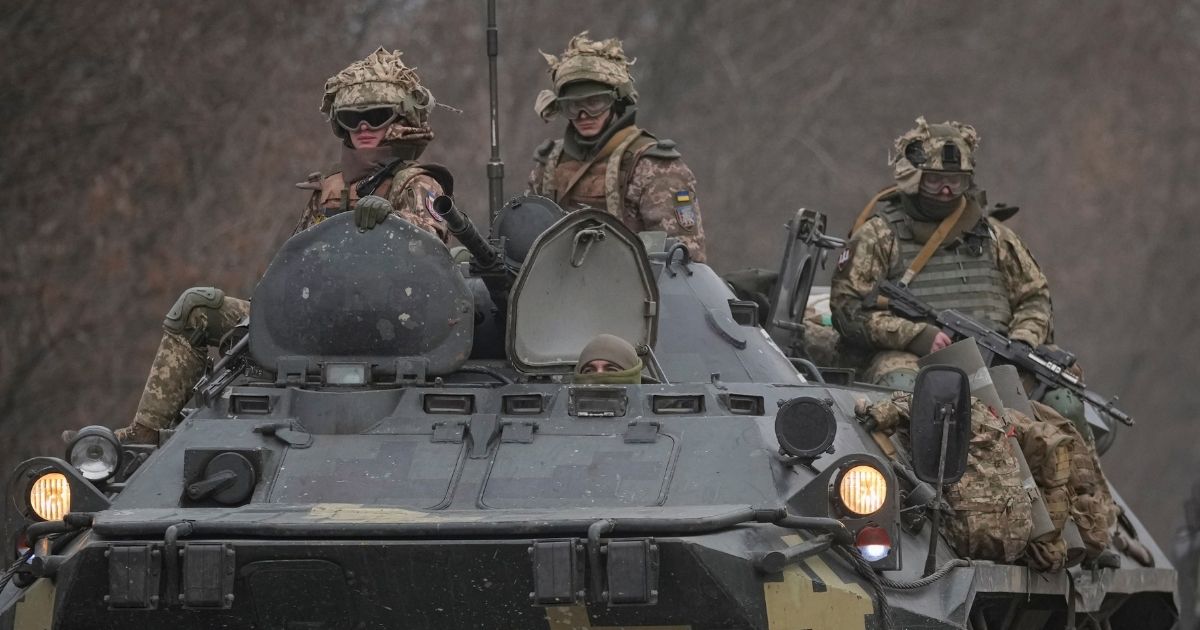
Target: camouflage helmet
(947, 146)
(379, 79)
(602, 61)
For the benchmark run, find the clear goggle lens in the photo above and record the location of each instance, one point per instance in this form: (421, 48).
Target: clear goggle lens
(939, 183)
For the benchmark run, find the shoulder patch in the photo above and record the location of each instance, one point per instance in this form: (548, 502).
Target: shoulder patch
(685, 211)
(430, 197)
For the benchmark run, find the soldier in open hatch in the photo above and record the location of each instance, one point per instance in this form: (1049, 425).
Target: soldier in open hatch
(608, 359)
(603, 159)
(380, 111)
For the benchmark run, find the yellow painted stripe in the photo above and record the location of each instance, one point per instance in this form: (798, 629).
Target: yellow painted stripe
(576, 618)
(792, 602)
(35, 611)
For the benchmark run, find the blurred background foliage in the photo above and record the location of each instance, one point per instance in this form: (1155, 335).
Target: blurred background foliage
(149, 147)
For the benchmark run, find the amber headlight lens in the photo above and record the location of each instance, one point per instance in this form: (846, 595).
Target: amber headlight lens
(863, 490)
(50, 496)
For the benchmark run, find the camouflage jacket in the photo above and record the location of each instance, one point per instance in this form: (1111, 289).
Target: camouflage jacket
(412, 199)
(641, 179)
(873, 251)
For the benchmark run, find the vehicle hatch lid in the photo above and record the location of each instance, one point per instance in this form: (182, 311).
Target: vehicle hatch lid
(587, 274)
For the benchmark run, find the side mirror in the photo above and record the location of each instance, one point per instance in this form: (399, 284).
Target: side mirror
(940, 424)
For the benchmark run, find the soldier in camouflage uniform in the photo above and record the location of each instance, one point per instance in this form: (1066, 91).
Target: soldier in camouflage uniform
(991, 517)
(604, 160)
(930, 233)
(380, 111)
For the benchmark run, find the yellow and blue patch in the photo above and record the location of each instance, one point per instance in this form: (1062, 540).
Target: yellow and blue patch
(685, 211)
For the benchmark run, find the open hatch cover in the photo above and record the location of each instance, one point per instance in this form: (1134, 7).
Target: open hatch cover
(587, 274)
(386, 297)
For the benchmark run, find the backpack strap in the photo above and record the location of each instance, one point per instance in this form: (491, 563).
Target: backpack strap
(620, 166)
(870, 207)
(368, 185)
(549, 165)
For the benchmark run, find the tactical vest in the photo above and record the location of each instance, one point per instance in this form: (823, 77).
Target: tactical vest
(606, 180)
(963, 275)
(336, 196)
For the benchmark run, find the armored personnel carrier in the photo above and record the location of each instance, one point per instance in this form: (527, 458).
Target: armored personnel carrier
(395, 441)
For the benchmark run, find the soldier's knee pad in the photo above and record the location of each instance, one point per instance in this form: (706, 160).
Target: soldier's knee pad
(182, 319)
(1069, 406)
(902, 379)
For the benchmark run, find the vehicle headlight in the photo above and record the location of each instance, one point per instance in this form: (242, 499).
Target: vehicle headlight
(862, 490)
(95, 452)
(50, 496)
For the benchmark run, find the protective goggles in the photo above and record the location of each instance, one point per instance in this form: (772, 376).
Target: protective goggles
(935, 183)
(593, 104)
(374, 117)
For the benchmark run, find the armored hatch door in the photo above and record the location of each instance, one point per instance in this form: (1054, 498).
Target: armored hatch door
(385, 296)
(587, 274)
(408, 470)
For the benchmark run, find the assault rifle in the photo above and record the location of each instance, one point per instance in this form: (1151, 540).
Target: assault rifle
(806, 249)
(1048, 365)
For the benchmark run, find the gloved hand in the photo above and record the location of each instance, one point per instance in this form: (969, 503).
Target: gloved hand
(371, 211)
(930, 340)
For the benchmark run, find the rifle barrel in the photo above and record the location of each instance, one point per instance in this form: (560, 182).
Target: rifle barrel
(461, 227)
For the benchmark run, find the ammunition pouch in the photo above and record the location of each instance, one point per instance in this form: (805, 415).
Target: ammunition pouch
(180, 319)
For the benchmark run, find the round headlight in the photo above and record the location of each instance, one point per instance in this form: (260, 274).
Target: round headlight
(862, 490)
(95, 452)
(50, 496)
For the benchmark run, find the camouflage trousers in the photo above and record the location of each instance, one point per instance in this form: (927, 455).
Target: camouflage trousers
(990, 517)
(178, 365)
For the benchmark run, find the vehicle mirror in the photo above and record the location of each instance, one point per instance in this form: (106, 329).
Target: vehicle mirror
(940, 423)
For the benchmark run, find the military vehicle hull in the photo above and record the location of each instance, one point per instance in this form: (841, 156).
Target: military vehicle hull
(473, 495)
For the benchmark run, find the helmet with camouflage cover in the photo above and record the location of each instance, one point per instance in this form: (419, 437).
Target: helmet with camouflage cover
(382, 80)
(943, 147)
(587, 60)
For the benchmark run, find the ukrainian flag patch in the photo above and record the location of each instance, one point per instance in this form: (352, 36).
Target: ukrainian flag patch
(685, 212)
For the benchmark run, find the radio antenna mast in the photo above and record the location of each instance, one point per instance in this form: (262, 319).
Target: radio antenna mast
(495, 166)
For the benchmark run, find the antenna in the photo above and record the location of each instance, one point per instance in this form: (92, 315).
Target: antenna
(495, 166)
